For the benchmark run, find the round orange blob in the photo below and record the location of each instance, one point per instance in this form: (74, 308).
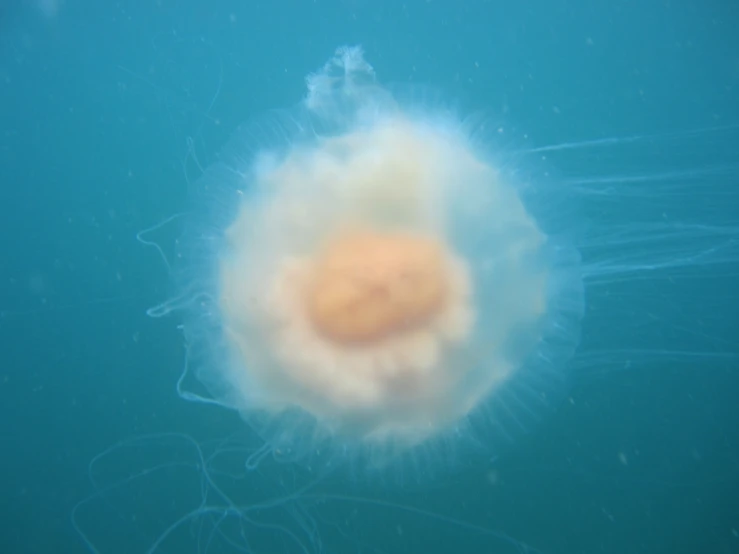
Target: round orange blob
(368, 285)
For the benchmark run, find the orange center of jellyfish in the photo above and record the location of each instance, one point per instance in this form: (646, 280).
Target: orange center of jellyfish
(368, 285)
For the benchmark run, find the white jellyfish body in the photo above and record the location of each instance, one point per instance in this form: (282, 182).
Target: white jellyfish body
(380, 283)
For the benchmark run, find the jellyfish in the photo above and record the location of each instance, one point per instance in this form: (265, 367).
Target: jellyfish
(372, 280)
(380, 286)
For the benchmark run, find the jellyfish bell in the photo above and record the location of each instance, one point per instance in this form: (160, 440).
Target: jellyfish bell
(379, 287)
(345, 295)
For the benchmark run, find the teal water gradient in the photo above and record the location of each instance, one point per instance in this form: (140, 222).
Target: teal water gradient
(101, 102)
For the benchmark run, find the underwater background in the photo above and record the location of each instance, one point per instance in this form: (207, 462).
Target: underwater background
(108, 110)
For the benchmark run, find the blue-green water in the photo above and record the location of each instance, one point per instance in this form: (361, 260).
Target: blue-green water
(101, 103)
